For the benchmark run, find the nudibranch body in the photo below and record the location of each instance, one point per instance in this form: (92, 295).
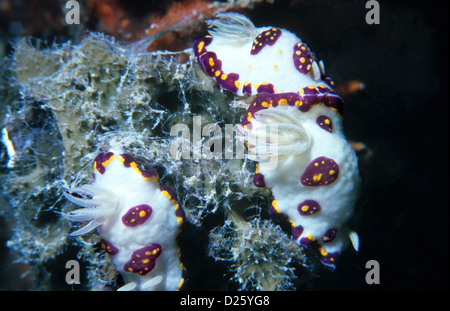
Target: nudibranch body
(311, 170)
(137, 218)
(248, 60)
(293, 128)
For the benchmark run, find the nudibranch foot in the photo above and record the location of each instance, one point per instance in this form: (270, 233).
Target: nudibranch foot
(137, 218)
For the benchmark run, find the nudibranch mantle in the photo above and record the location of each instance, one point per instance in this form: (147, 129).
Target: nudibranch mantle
(137, 218)
(293, 128)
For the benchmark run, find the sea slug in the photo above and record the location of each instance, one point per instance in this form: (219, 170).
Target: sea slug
(292, 128)
(137, 218)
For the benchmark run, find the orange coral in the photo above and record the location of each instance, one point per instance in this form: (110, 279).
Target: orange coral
(184, 17)
(112, 16)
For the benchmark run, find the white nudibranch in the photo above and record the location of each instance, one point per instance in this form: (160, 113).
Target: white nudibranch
(138, 221)
(293, 128)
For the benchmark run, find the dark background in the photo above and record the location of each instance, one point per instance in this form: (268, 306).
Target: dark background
(401, 116)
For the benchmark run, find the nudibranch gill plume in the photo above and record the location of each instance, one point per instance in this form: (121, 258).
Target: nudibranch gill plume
(137, 218)
(292, 128)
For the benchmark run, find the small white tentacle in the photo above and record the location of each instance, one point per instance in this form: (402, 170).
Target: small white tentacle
(153, 282)
(86, 214)
(315, 71)
(127, 287)
(88, 228)
(83, 201)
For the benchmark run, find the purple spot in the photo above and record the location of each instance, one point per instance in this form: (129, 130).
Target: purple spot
(302, 58)
(143, 260)
(308, 207)
(311, 90)
(210, 63)
(325, 123)
(322, 171)
(329, 235)
(269, 36)
(333, 100)
(247, 88)
(306, 242)
(108, 247)
(330, 259)
(128, 159)
(150, 174)
(258, 180)
(327, 80)
(267, 88)
(200, 45)
(229, 83)
(273, 210)
(137, 215)
(100, 160)
(297, 232)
